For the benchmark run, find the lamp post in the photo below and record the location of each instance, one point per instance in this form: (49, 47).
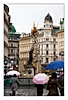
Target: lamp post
(62, 55)
(5, 66)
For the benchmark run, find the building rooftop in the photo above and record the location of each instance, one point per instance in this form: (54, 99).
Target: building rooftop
(15, 35)
(12, 28)
(60, 30)
(49, 18)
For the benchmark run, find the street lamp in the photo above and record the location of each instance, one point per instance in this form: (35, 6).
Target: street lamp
(5, 66)
(61, 54)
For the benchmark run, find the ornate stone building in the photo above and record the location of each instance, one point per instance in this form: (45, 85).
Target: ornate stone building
(13, 49)
(60, 33)
(25, 44)
(47, 42)
(6, 30)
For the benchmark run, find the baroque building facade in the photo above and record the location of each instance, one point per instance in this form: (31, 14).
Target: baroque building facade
(25, 44)
(60, 33)
(6, 30)
(47, 41)
(13, 49)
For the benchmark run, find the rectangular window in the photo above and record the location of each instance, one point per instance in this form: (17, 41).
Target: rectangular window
(11, 37)
(47, 39)
(54, 39)
(11, 51)
(46, 60)
(46, 45)
(11, 45)
(18, 45)
(46, 52)
(62, 36)
(62, 43)
(54, 53)
(54, 45)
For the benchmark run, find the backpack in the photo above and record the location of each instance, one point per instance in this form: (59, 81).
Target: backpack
(10, 81)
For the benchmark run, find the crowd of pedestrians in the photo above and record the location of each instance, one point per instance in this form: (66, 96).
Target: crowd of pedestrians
(53, 85)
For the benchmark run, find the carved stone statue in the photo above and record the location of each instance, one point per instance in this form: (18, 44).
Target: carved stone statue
(31, 56)
(35, 30)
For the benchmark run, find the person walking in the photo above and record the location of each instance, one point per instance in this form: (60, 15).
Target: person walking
(61, 82)
(53, 85)
(14, 85)
(39, 89)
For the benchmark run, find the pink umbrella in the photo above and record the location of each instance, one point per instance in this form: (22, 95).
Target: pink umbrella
(40, 78)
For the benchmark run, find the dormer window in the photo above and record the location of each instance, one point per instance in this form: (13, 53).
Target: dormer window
(44, 25)
(51, 25)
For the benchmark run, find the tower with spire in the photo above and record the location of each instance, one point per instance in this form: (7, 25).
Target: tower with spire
(48, 24)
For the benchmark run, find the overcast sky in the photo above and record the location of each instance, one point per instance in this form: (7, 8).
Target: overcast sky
(23, 15)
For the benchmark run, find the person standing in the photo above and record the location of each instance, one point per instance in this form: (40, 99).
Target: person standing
(53, 85)
(39, 89)
(14, 85)
(61, 82)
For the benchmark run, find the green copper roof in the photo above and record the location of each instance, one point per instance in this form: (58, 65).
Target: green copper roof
(60, 30)
(62, 21)
(15, 36)
(12, 28)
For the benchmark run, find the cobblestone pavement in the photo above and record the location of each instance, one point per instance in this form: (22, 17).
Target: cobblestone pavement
(24, 92)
